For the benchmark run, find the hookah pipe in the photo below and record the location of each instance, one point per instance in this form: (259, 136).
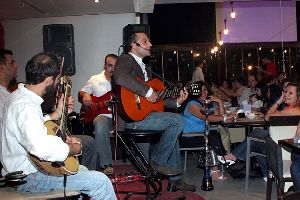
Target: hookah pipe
(207, 180)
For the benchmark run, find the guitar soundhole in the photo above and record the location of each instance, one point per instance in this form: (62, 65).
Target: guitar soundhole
(57, 164)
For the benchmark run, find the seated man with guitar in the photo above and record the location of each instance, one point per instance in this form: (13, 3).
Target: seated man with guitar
(139, 104)
(27, 146)
(95, 97)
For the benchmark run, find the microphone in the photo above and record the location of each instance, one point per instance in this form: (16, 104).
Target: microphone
(139, 45)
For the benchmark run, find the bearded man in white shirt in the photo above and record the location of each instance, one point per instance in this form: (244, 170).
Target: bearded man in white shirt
(23, 132)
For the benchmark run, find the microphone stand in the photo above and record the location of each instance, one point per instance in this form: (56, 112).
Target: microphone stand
(207, 180)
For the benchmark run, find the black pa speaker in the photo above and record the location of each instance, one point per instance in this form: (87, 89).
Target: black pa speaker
(131, 29)
(59, 39)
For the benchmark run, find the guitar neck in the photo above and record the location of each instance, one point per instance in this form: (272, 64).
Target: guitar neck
(64, 116)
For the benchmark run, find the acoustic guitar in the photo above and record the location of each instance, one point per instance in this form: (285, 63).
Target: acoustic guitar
(136, 108)
(88, 113)
(59, 128)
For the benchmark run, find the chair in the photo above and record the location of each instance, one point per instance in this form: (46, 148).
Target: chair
(250, 154)
(281, 127)
(186, 149)
(283, 179)
(277, 172)
(293, 196)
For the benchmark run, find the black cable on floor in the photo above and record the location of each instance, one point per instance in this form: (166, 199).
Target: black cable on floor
(65, 185)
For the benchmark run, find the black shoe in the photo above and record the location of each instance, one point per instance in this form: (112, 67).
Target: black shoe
(173, 186)
(164, 170)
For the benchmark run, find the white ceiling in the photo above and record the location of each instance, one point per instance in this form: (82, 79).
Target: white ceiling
(20, 9)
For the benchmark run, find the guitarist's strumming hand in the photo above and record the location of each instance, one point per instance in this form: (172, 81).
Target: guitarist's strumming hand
(74, 145)
(153, 97)
(183, 96)
(86, 99)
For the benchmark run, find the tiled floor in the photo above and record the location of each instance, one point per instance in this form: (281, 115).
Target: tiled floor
(230, 190)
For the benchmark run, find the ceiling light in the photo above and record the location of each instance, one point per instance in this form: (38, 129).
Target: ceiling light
(225, 27)
(232, 14)
(220, 41)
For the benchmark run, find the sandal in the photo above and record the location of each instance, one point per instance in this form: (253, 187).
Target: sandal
(227, 162)
(217, 178)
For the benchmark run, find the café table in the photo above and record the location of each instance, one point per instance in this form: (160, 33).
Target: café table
(258, 121)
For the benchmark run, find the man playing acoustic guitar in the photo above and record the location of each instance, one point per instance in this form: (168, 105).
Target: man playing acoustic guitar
(95, 97)
(130, 73)
(24, 133)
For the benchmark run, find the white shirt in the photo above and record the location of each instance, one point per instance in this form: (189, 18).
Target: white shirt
(244, 93)
(198, 75)
(98, 85)
(23, 131)
(3, 95)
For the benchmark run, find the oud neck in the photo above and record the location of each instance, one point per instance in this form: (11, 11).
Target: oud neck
(64, 115)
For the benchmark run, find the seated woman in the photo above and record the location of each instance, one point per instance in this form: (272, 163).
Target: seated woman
(194, 122)
(291, 106)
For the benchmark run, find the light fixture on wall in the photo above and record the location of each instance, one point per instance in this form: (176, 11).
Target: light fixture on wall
(232, 14)
(96, 1)
(225, 27)
(220, 41)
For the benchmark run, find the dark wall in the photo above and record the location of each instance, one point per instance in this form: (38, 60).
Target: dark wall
(182, 23)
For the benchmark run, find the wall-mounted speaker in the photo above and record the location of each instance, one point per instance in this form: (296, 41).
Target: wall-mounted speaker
(59, 39)
(131, 29)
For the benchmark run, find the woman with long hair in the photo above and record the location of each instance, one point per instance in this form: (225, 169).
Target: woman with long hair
(194, 122)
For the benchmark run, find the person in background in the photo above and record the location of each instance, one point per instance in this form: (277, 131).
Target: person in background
(291, 101)
(99, 86)
(295, 167)
(252, 84)
(242, 92)
(28, 135)
(271, 69)
(132, 74)
(198, 72)
(8, 72)
(227, 86)
(194, 122)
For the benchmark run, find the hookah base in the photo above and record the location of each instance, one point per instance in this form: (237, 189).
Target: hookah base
(207, 184)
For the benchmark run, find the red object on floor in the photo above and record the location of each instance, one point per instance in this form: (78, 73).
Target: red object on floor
(139, 186)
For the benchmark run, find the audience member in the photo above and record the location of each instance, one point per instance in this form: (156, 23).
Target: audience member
(291, 100)
(242, 92)
(194, 122)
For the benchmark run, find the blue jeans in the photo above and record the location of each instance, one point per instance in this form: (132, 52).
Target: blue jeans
(166, 151)
(295, 171)
(93, 183)
(103, 126)
(88, 157)
(240, 151)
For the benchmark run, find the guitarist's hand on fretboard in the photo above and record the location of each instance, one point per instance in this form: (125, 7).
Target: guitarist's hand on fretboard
(183, 96)
(153, 97)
